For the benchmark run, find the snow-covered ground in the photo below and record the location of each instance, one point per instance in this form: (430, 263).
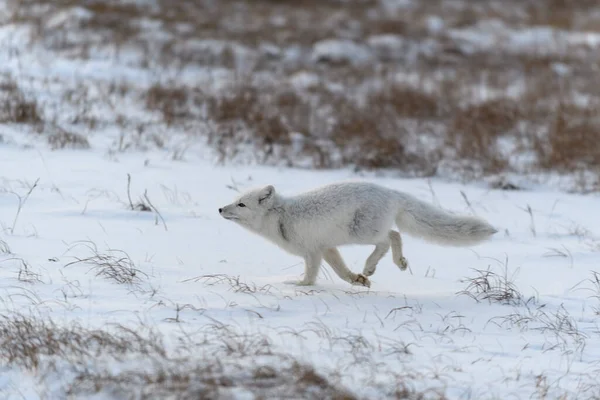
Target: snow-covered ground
(196, 271)
(99, 300)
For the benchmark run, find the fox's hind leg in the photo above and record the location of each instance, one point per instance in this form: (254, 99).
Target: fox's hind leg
(380, 250)
(334, 258)
(397, 255)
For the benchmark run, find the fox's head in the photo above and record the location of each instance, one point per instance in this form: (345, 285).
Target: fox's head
(250, 208)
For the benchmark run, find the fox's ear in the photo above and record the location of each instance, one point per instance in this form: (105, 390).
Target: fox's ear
(265, 193)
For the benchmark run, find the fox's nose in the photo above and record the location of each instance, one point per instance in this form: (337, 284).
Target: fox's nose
(220, 210)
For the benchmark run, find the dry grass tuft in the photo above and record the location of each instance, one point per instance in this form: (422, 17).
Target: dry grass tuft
(26, 341)
(260, 112)
(114, 265)
(405, 101)
(175, 103)
(595, 288)
(494, 288)
(572, 141)
(15, 107)
(4, 247)
(474, 132)
(234, 282)
(63, 139)
(363, 139)
(558, 326)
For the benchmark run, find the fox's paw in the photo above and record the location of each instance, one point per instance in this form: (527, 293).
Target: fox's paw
(402, 263)
(369, 270)
(361, 280)
(297, 282)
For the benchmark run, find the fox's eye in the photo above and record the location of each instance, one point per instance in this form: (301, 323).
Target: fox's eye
(241, 205)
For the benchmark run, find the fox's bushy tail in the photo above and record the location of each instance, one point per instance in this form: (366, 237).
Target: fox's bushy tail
(417, 218)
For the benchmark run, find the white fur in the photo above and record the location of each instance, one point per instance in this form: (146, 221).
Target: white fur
(313, 224)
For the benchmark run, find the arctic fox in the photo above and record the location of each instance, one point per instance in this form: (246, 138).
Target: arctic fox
(313, 224)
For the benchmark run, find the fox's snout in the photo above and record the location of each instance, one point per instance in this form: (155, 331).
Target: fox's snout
(226, 213)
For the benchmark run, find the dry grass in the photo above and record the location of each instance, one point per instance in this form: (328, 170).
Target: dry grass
(362, 137)
(494, 288)
(219, 361)
(558, 326)
(563, 14)
(26, 341)
(63, 139)
(404, 101)
(15, 107)
(213, 380)
(572, 141)
(174, 103)
(114, 265)
(234, 282)
(4, 247)
(258, 111)
(377, 129)
(474, 132)
(595, 288)
(419, 95)
(26, 273)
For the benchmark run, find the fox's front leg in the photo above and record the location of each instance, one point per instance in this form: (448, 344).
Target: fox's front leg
(312, 263)
(334, 258)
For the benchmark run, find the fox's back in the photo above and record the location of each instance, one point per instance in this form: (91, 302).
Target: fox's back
(338, 197)
(355, 211)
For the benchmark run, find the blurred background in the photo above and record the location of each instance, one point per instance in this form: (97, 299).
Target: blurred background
(464, 89)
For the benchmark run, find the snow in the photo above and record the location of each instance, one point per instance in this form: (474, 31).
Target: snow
(388, 46)
(70, 18)
(305, 80)
(335, 51)
(412, 327)
(489, 34)
(455, 344)
(435, 24)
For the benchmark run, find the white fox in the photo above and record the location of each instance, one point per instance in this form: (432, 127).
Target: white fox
(313, 224)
